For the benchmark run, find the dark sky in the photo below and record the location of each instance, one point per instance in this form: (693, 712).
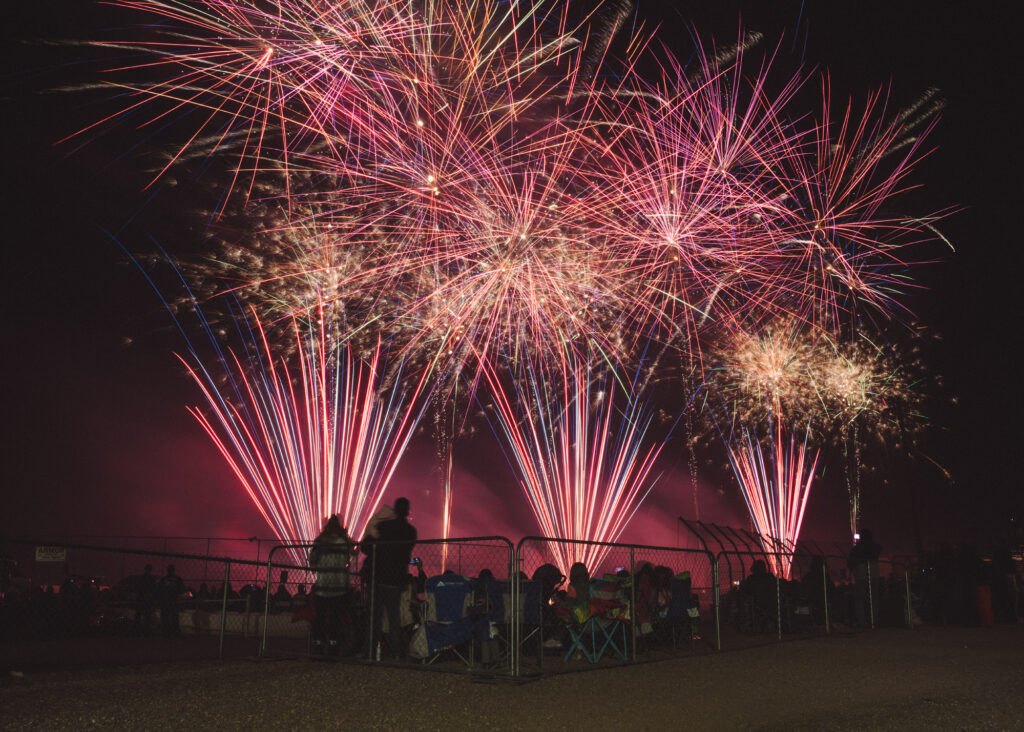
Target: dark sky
(98, 440)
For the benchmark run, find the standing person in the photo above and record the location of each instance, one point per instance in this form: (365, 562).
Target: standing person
(817, 588)
(329, 557)
(168, 589)
(389, 571)
(384, 513)
(144, 587)
(863, 561)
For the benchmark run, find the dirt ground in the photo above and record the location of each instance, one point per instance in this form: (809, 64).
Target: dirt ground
(925, 679)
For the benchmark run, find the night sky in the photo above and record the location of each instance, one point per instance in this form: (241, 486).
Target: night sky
(98, 441)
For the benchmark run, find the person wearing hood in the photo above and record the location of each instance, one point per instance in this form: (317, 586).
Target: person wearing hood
(329, 557)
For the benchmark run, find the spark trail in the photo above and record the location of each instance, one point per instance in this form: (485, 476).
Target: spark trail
(307, 445)
(583, 465)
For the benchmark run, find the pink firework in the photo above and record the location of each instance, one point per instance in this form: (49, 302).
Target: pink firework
(776, 488)
(259, 81)
(580, 456)
(308, 445)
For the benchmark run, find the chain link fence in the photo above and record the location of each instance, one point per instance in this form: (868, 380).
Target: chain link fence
(451, 604)
(776, 595)
(583, 603)
(480, 605)
(71, 604)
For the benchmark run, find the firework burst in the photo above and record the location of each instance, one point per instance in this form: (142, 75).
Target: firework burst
(776, 488)
(309, 445)
(581, 458)
(460, 182)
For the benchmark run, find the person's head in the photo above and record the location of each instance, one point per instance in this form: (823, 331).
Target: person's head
(384, 513)
(402, 507)
(170, 570)
(758, 567)
(578, 573)
(333, 525)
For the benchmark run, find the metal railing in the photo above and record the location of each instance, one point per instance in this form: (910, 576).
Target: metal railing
(88, 592)
(364, 612)
(642, 568)
(512, 627)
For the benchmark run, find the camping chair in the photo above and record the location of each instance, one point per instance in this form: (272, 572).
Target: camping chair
(530, 616)
(597, 626)
(683, 616)
(446, 624)
(759, 608)
(489, 611)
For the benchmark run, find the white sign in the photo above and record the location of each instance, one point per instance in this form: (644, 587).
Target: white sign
(51, 554)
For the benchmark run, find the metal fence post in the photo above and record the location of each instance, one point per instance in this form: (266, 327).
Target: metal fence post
(266, 603)
(516, 616)
(372, 625)
(824, 592)
(871, 599)
(778, 599)
(906, 588)
(224, 607)
(632, 596)
(514, 599)
(718, 602)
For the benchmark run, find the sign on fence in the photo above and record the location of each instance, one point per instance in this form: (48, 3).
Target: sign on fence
(51, 554)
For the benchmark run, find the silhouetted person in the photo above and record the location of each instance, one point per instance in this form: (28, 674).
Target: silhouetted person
(329, 557)
(168, 589)
(144, 587)
(384, 513)
(281, 598)
(760, 592)
(1005, 587)
(390, 559)
(863, 562)
(816, 587)
(579, 585)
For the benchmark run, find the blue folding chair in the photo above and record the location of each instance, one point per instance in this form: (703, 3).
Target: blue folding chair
(446, 624)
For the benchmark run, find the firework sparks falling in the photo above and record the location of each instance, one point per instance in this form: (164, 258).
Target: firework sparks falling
(461, 182)
(582, 463)
(474, 187)
(310, 445)
(776, 489)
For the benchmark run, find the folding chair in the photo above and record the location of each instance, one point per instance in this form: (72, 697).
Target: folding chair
(489, 610)
(602, 629)
(530, 613)
(446, 625)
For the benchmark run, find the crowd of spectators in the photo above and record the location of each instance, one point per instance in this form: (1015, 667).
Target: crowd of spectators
(957, 585)
(953, 585)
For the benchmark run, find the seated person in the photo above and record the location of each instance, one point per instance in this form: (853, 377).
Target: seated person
(758, 592)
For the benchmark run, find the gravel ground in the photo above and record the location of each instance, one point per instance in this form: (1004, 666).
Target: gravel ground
(925, 679)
